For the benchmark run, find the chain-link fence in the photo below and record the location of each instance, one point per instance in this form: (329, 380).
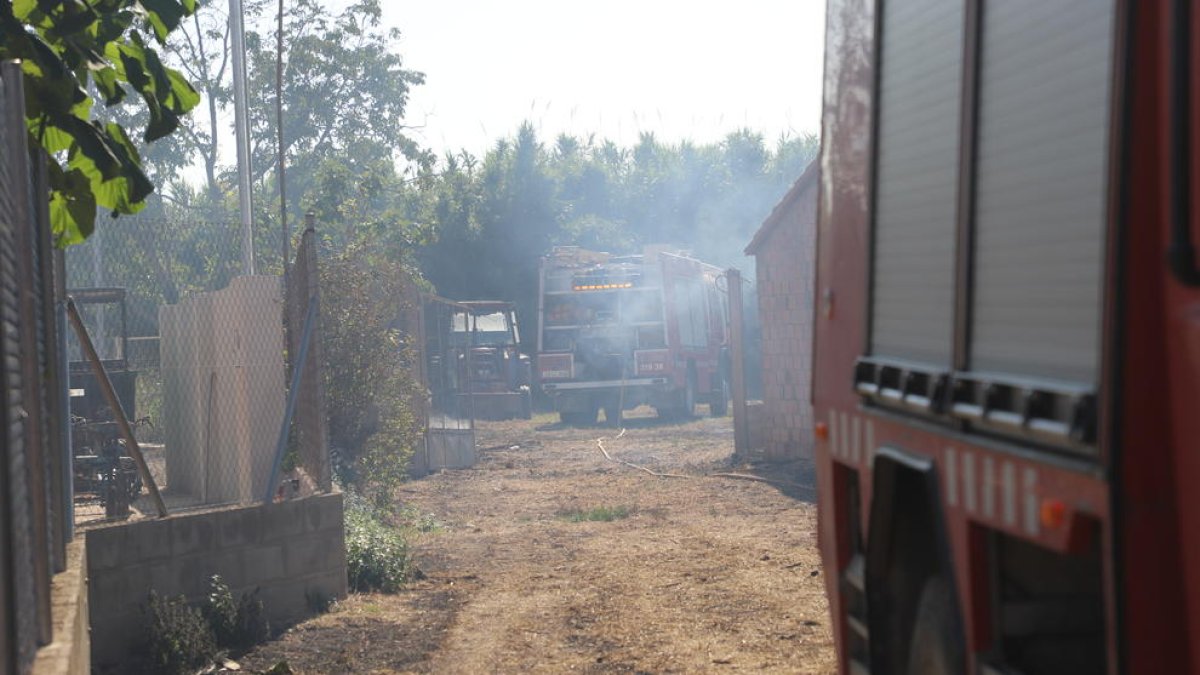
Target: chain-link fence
(198, 355)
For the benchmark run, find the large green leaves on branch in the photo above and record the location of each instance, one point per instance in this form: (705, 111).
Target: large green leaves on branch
(70, 47)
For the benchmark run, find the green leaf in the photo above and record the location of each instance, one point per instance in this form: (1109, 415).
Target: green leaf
(185, 94)
(165, 15)
(23, 8)
(72, 205)
(66, 44)
(108, 84)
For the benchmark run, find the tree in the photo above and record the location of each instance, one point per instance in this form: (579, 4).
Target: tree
(201, 49)
(68, 48)
(345, 93)
(491, 223)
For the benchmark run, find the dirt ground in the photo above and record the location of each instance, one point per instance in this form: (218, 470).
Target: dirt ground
(690, 574)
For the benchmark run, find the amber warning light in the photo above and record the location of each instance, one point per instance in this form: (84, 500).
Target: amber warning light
(821, 431)
(602, 287)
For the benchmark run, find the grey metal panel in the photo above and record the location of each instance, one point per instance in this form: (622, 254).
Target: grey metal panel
(1040, 192)
(916, 179)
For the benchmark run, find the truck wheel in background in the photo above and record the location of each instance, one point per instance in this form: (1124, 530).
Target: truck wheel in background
(612, 414)
(936, 646)
(684, 405)
(718, 402)
(584, 418)
(689, 395)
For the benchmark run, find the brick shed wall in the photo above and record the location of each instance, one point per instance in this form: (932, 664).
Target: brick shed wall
(785, 262)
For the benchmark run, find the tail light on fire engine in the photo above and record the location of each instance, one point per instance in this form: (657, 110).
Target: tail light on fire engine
(556, 366)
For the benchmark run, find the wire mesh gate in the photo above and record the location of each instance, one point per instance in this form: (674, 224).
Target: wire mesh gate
(446, 372)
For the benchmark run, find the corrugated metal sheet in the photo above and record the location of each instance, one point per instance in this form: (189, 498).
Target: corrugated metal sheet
(1041, 177)
(22, 604)
(916, 179)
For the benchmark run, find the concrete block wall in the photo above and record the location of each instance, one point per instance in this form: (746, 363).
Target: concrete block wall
(290, 552)
(785, 269)
(70, 651)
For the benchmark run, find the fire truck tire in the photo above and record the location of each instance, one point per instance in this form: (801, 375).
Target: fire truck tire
(612, 415)
(578, 419)
(526, 405)
(719, 404)
(689, 396)
(936, 646)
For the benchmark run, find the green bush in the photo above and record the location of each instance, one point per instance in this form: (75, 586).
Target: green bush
(181, 641)
(184, 638)
(238, 624)
(377, 555)
(372, 397)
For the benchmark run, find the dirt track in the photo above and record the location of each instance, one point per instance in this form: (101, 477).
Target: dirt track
(703, 574)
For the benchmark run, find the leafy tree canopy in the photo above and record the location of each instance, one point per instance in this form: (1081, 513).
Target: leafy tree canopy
(70, 47)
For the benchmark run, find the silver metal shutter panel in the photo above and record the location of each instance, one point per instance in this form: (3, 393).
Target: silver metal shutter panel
(916, 189)
(1041, 178)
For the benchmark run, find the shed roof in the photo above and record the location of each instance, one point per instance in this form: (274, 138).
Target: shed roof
(806, 180)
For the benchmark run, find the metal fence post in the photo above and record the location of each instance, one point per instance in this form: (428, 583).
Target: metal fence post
(314, 365)
(737, 344)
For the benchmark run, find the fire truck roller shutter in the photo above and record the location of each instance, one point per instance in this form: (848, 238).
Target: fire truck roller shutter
(916, 180)
(1041, 167)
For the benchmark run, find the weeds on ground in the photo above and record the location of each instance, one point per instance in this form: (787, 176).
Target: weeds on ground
(605, 514)
(409, 518)
(377, 554)
(181, 640)
(184, 638)
(238, 624)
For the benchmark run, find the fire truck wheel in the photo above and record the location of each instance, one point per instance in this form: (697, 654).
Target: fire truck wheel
(526, 405)
(578, 419)
(719, 404)
(689, 396)
(936, 646)
(612, 415)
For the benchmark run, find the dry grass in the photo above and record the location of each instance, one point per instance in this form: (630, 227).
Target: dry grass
(702, 575)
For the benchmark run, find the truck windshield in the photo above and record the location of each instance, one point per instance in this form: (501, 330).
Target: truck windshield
(489, 329)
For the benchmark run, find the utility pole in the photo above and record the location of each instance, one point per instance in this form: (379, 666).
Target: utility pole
(287, 236)
(241, 119)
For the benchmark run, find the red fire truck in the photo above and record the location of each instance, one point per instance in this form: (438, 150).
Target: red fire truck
(1007, 336)
(616, 332)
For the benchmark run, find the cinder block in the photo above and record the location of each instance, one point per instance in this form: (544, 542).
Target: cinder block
(282, 520)
(313, 553)
(332, 584)
(239, 527)
(323, 512)
(190, 575)
(116, 636)
(193, 534)
(109, 592)
(263, 564)
(145, 541)
(104, 546)
(286, 603)
(230, 564)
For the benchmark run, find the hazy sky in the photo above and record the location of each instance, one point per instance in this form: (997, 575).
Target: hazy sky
(616, 68)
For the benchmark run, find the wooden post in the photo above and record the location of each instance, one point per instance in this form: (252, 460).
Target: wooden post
(737, 348)
(110, 395)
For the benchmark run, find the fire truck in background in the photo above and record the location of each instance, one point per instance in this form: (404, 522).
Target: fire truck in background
(1007, 337)
(616, 332)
